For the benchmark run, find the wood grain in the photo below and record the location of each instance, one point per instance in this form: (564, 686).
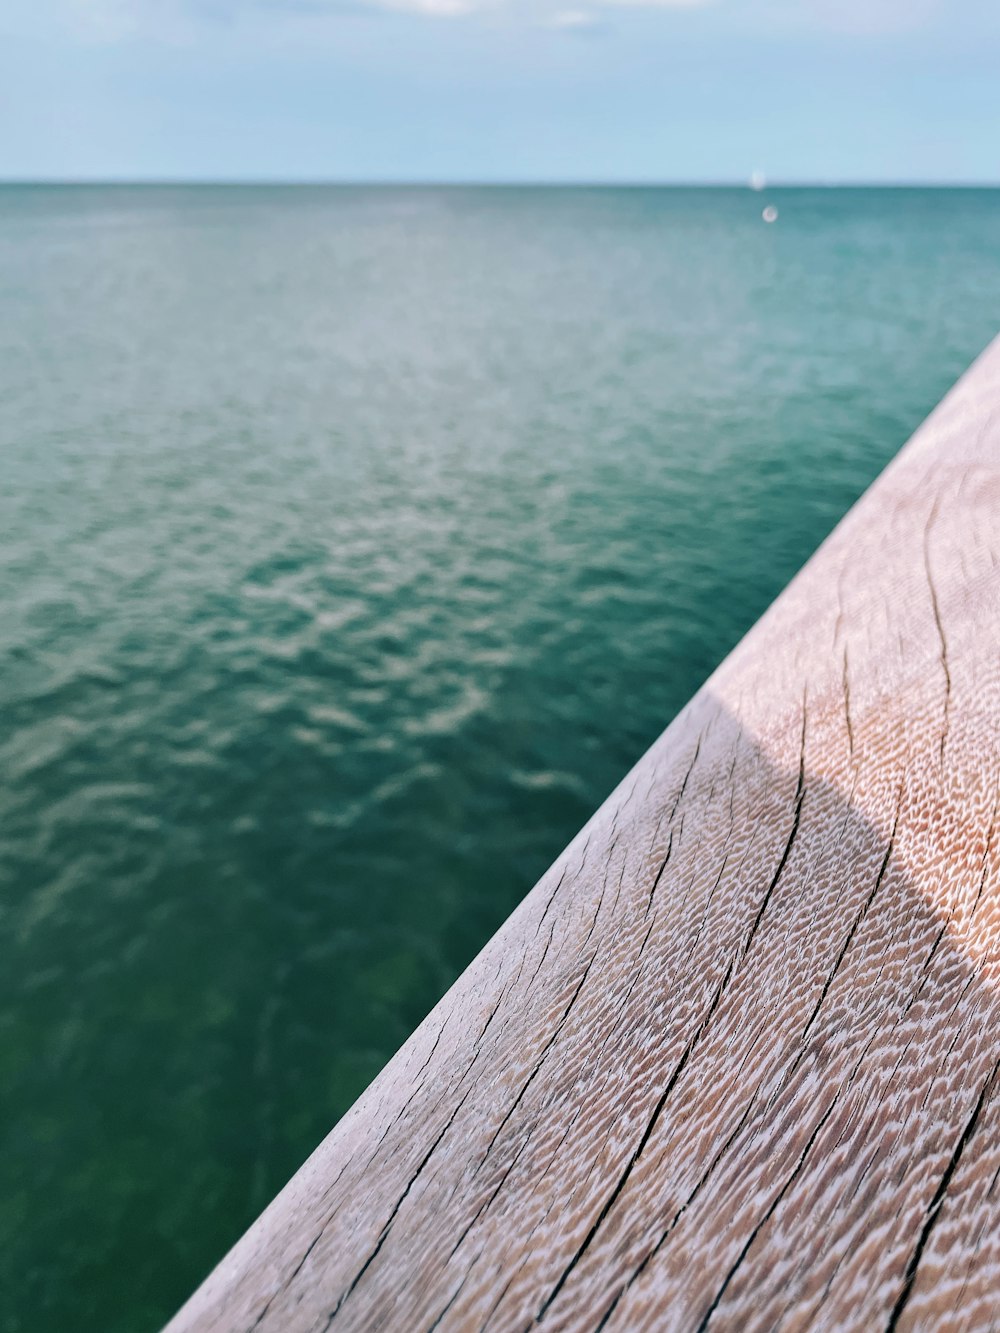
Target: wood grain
(735, 1062)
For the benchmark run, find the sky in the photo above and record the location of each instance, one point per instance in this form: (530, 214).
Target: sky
(501, 90)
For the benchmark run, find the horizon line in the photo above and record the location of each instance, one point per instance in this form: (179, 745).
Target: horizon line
(500, 183)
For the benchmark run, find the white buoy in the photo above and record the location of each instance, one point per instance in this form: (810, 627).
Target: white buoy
(770, 214)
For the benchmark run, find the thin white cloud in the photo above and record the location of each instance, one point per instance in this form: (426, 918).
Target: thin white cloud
(654, 4)
(111, 20)
(566, 19)
(114, 20)
(432, 8)
(573, 20)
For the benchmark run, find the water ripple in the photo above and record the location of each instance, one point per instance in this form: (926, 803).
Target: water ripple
(355, 543)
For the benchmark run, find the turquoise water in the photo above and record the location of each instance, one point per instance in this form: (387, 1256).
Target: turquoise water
(355, 543)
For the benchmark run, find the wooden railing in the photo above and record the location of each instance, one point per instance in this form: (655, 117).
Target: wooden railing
(734, 1062)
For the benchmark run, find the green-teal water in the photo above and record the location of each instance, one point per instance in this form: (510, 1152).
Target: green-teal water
(354, 544)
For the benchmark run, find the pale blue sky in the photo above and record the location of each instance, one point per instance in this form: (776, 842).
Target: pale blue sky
(617, 90)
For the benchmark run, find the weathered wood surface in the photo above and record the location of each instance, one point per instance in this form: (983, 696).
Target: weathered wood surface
(734, 1061)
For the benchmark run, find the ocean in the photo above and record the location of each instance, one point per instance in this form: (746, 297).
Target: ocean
(355, 543)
